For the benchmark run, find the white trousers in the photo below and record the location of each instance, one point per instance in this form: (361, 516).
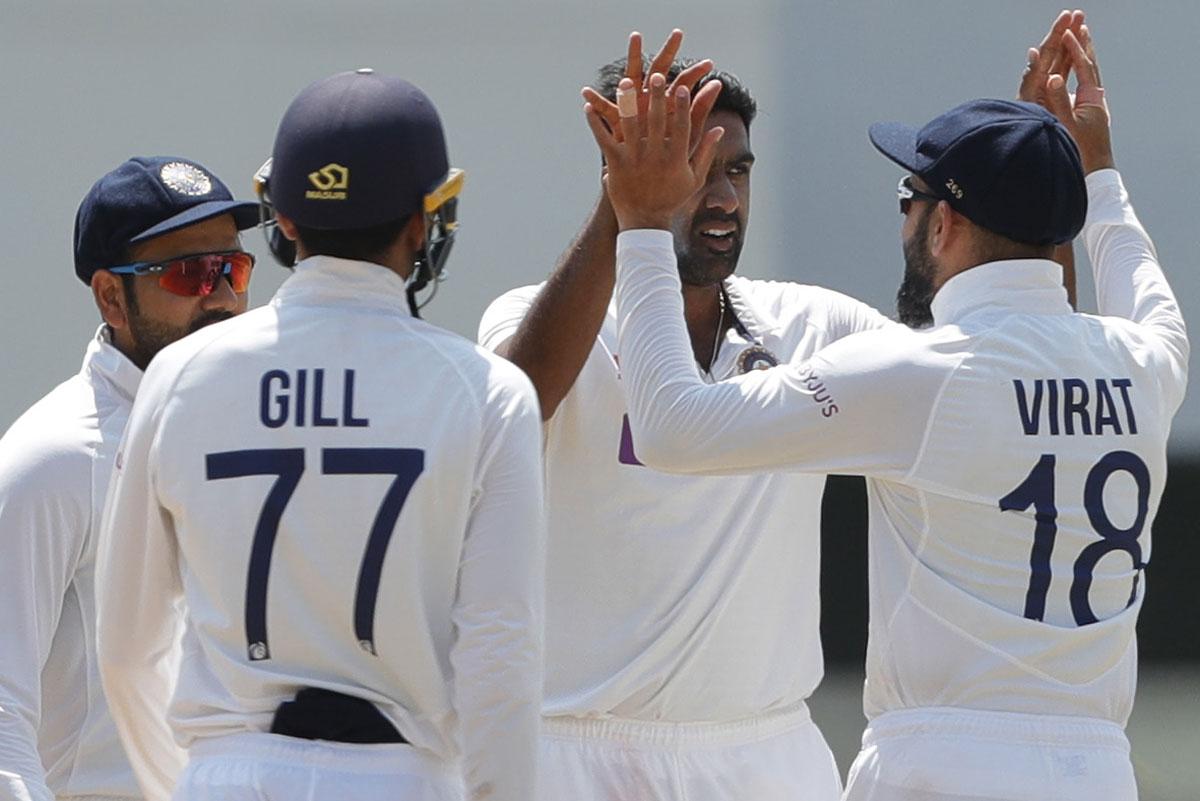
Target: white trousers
(271, 767)
(779, 757)
(942, 754)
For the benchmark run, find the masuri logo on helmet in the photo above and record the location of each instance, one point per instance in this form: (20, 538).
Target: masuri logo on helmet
(330, 181)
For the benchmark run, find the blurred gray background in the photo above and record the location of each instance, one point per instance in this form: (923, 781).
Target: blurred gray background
(85, 85)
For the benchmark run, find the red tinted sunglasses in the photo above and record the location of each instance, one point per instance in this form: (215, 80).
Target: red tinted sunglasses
(197, 274)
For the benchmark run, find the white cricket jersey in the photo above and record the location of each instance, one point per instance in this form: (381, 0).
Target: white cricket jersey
(57, 739)
(680, 598)
(344, 497)
(1015, 455)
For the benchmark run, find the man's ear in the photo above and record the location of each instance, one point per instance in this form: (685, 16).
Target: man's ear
(286, 225)
(944, 226)
(109, 293)
(414, 233)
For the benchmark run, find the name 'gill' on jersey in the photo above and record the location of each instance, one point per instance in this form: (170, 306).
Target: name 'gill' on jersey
(347, 498)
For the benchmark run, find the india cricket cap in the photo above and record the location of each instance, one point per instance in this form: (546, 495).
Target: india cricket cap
(356, 150)
(1010, 167)
(146, 197)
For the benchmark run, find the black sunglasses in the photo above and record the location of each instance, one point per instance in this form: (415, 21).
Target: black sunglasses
(908, 193)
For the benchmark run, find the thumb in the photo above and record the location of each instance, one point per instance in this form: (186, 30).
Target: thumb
(1058, 102)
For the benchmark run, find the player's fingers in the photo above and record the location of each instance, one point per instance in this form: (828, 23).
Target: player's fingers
(1055, 64)
(1044, 60)
(606, 109)
(1077, 20)
(702, 106)
(706, 151)
(633, 59)
(681, 122)
(1079, 57)
(1033, 79)
(1052, 43)
(666, 54)
(604, 137)
(1085, 39)
(1085, 68)
(690, 76)
(1050, 57)
(1058, 101)
(656, 117)
(1063, 63)
(627, 107)
(1060, 24)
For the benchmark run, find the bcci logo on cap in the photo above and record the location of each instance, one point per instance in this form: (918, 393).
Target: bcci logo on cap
(331, 182)
(186, 179)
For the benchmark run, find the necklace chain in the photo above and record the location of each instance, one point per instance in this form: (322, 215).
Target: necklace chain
(720, 330)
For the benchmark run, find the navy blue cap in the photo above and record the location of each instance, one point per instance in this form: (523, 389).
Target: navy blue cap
(356, 150)
(145, 197)
(1009, 167)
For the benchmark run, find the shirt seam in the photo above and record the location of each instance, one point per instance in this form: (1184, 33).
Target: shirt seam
(916, 554)
(928, 430)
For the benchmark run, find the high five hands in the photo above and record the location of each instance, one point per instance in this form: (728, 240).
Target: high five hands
(651, 138)
(1068, 47)
(635, 71)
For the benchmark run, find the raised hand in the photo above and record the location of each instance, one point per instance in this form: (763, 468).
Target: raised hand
(1048, 58)
(1086, 114)
(665, 57)
(652, 167)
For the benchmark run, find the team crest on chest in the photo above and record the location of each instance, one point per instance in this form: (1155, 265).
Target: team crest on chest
(756, 358)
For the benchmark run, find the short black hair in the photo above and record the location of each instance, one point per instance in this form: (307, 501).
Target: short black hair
(991, 246)
(358, 244)
(734, 95)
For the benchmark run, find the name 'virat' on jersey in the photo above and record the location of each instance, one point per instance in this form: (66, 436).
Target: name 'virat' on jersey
(1021, 589)
(1015, 455)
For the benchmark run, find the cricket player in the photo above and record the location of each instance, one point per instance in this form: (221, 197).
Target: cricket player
(345, 500)
(683, 612)
(156, 239)
(1015, 450)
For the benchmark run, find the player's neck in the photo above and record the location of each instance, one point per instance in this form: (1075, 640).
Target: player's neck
(122, 340)
(702, 310)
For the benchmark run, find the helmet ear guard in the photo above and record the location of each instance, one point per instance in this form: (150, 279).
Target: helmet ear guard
(440, 209)
(282, 248)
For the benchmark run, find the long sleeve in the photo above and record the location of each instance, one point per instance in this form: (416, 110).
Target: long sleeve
(498, 612)
(849, 316)
(1129, 281)
(42, 529)
(137, 586)
(834, 412)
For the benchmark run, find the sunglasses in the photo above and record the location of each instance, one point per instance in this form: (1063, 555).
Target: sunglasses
(196, 275)
(908, 193)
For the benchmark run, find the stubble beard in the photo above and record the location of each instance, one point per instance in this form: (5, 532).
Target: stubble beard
(700, 268)
(151, 336)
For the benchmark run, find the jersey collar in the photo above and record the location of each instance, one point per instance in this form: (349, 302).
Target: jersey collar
(754, 322)
(1029, 286)
(103, 363)
(323, 279)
